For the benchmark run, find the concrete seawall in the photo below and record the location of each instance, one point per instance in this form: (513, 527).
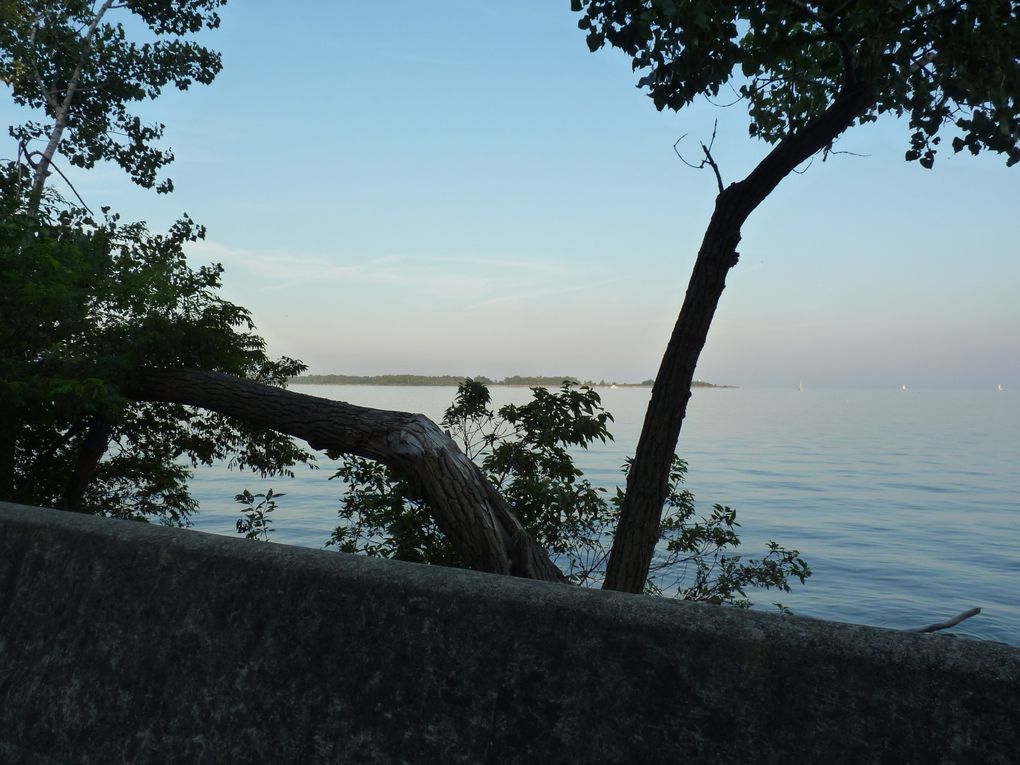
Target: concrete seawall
(124, 642)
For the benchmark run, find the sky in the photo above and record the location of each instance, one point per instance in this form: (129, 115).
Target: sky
(459, 186)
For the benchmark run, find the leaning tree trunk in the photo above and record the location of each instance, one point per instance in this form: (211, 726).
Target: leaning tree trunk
(473, 516)
(647, 480)
(93, 447)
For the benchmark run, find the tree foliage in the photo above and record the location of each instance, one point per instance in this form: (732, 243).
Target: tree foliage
(525, 452)
(694, 564)
(86, 303)
(255, 522)
(90, 301)
(943, 64)
(806, 71)
(81, 69)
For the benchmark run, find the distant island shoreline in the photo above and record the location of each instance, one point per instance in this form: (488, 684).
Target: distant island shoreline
(455, 380)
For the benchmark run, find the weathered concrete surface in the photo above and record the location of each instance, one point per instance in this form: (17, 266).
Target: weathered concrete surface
(122, 642)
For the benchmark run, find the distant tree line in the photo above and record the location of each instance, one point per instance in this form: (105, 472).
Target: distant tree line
(455, 380)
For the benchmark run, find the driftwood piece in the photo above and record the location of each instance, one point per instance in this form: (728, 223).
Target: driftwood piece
(946, 624)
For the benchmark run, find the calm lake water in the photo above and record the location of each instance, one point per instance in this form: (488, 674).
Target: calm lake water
(906, 504)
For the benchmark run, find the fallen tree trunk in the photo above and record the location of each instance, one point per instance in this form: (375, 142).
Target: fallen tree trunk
(469, 511)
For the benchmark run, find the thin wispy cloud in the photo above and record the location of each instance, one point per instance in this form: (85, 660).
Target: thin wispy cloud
(521, 297)
(519, 264)
(447, 277)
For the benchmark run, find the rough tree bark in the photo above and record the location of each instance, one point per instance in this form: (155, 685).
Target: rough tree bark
(469, 511)
(647, 480)
(93, 447)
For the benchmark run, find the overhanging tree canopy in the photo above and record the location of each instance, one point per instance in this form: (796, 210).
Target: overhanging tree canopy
(807, 71)
(70, 60)
(87, 304)
(944, 64)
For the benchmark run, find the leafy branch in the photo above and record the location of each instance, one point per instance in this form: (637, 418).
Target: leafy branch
(255, 522)
(525, 451)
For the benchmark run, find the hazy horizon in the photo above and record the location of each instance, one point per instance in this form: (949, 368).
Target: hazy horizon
(797, 384)
(464, 186)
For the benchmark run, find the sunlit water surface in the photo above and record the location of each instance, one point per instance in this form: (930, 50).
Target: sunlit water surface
(906, 504)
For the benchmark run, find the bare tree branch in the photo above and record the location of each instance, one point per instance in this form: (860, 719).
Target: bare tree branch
(711, 161)
(827, 152)
(53, 166)
(806, 167)
(946, 624)
(734, 102)
(708, 160)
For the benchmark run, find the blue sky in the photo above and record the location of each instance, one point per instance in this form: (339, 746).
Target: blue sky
(461, 187)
